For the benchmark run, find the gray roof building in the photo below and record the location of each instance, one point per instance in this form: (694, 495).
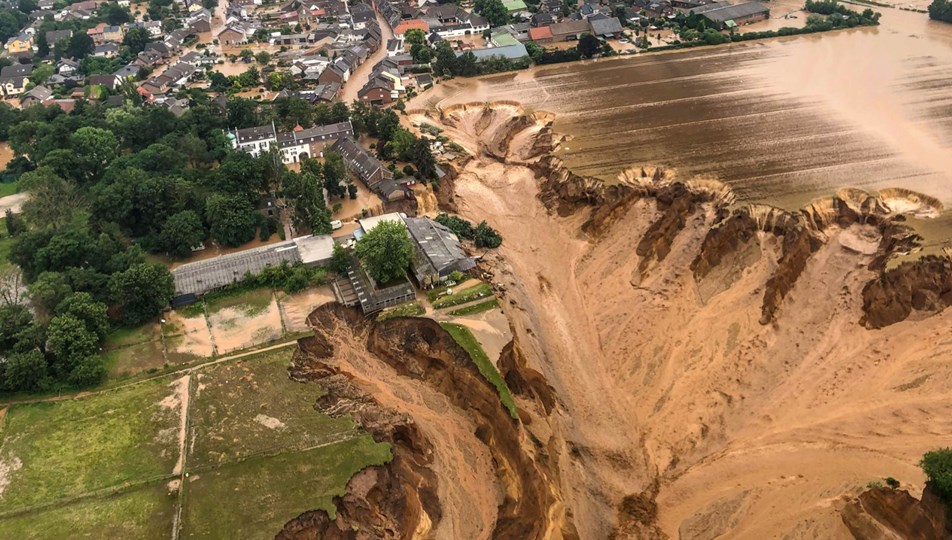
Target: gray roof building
(437, 251)
(605, 26)
(512, 52)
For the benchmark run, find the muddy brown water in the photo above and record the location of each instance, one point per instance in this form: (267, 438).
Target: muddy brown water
(787, 119)
(782, 121)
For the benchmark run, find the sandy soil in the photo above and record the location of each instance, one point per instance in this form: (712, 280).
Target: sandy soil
(467, 489)
(13, 202)
(296, 307)
(234, 329)
(751, 431)
(491, 328)
(178, 399)
(187, 336)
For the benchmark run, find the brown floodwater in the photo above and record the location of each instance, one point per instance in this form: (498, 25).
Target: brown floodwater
(782, 121)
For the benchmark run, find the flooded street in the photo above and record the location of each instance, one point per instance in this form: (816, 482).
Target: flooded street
(782, 121)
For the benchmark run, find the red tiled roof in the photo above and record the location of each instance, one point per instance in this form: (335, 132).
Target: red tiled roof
(542, 32)
(410, 24)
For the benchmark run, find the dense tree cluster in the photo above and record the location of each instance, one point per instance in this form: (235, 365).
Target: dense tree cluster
(482, 235)
(395, 142)
(941, 10)
(493, 10)
(447, 64)
(385, 252)
(106, 186)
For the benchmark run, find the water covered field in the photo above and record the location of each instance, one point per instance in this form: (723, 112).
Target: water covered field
(782, 121)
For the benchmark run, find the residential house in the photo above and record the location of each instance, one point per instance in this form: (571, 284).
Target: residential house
(20, 43)
(107, 81)
(511, 52)
(367, 168)
(411, 24)
(14, 79)
(603, 26)
(569, 30)
(200, 22)
(96, 32)
(294, 145)
(67, 67)
(541, 35)
(106, 50)
(173, 77)
(55, 36)
(233, 35)
(542, 19)
(112, 34)
(515, 6)
(39, 94)
(394, 47)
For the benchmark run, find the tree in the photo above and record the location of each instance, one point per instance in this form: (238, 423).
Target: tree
(48, 290)
(335, 173)
(96, 148)
(352, 191)
(41, 74)
(941, 10)
(12, 286)
(15, 319)
(25, 372)
(263, 57)
(181, 232)
(401, 144)
(937, 465)
(142, 292)
(69, 342)
(136, 39)
(114, 14)
(423, 159)
(92, 313)
(385, 251)
(340, 260)
(588, 45)
(421, 53)
(415, 36)
(494, 10)
(486, 237)
(232, 219)
(446, 60)
(80, 46)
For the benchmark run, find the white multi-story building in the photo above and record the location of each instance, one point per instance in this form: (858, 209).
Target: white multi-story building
(294, 145)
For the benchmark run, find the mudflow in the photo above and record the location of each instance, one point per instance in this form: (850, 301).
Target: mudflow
(685, 366)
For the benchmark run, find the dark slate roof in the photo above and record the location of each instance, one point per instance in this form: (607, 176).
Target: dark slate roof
(606, 26)
(719, 13)
(437, 247)
(259, 133)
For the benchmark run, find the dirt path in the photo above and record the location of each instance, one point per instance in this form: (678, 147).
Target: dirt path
(360, 77)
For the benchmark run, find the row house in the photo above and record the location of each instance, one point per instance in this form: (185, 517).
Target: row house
(294, 145)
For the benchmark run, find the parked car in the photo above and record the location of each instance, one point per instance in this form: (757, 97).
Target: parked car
(336, 224)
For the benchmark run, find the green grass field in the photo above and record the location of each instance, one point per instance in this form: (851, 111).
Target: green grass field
(250, 302)
(8, 188)
(309, 480)
(413, 309)
(251, 407)
(462, 296)
(473, 309)
(69, 448)
(100, 466)
(143, 513)
(467, 340)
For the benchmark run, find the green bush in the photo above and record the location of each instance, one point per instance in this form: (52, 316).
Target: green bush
(937, 465)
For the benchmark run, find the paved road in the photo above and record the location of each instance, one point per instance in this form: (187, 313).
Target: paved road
(359, 78)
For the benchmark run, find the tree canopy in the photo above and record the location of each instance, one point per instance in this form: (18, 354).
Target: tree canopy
(385, 251)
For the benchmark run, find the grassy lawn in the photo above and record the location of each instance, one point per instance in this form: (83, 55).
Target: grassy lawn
(413, 309)
(8, 188)
(468, 341)
(144, 513)
(250, 302)
(475, 308)
(127, 361)
(461, 296)
(124, 337)
(250, 407)
(241, 500)
(62, 449)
